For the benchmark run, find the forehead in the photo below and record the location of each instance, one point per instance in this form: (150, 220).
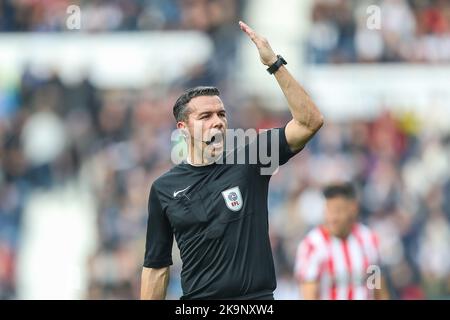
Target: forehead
(339, 201)
(206, 103)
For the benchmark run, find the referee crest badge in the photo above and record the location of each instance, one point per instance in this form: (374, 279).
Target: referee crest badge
(233, 198)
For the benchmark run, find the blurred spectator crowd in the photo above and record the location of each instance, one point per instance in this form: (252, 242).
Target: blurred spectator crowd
(346, 31)
(341, 31)
(117, 15)
(118, 141)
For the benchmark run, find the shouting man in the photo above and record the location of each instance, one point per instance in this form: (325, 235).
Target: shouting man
(218, 211)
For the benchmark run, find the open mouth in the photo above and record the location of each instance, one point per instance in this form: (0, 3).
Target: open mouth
(216, 140)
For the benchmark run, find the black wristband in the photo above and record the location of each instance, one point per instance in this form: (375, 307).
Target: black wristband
(274, 67)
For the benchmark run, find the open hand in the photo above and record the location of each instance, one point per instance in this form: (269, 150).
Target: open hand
(266, 54)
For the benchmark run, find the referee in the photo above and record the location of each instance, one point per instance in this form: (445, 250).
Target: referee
(218, 211)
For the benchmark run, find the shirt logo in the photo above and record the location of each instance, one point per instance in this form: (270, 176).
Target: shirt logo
(233, 198)
(177, 192)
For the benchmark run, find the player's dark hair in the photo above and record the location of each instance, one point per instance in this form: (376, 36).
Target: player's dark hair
(346, 190)
(180, 109)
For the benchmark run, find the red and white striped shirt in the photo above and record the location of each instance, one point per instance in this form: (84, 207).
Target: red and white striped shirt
(339, 265)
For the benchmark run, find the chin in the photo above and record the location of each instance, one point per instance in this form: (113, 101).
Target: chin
(216, 153)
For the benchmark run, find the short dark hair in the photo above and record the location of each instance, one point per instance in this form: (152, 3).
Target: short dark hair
(180, 110)
(346, 190)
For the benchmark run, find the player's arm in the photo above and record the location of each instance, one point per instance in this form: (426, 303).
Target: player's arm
(382, 293)
(306, 117)
(308, 263)
(154, 283)
(309, 290)
(158, 251)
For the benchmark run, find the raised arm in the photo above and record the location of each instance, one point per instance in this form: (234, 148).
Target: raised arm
(306, 117)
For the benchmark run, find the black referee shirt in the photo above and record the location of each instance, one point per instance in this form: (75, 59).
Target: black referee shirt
(218, 214)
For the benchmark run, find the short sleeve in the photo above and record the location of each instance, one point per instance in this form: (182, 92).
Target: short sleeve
(159, 240)
(285, 153)
(272, 150)
(267, 150)
(308, 262)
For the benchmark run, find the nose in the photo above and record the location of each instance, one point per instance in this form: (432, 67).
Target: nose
(218, 123)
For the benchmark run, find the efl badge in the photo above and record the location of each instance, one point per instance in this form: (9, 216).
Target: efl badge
(233, 198)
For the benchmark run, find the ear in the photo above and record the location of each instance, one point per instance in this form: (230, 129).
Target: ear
(181, 125)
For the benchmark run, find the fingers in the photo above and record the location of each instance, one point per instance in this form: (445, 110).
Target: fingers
(265, 51)
(249, 31)
(244, 26)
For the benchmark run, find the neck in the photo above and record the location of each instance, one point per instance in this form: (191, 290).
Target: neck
(197, 155)
(343, 234)
(197, 159)
(191, 161)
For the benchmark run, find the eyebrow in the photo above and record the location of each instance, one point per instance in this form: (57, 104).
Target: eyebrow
(210, 112)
